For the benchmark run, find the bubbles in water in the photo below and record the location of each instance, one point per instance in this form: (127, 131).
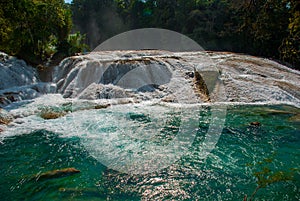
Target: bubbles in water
(129, 147)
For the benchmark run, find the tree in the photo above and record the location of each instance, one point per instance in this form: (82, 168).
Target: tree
(290, 47)
(32, 26)
(268, 28)
(97, 19)
(264, 25)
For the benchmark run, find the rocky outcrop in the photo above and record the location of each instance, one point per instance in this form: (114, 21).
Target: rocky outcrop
(213, 76)
(15, 72)
(19, 81)
(250, 79)
(14, 94)
(189, 77)
(142, 75)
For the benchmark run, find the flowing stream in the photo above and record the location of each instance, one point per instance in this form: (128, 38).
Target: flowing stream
(154, 139)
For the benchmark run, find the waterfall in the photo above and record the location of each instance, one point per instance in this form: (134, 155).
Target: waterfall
(241, 78)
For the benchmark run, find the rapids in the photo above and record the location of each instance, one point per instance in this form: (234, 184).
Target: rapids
(150, 125)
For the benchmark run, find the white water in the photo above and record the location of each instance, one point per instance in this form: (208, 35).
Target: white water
(116, 78)
(244, 80)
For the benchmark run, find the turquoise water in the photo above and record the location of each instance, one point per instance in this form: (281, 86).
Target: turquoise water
(226, 174)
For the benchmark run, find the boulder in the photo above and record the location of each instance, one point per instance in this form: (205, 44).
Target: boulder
(51, 114)
(18, 93)
(19, 81)
(5, 117)
(15, 72)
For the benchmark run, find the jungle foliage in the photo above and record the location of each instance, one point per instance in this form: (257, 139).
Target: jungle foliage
(268, 28)
(35, 30)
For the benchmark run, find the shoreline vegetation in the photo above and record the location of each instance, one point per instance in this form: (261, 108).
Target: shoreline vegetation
(44, 32)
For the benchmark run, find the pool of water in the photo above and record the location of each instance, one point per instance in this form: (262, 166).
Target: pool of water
(244, 156)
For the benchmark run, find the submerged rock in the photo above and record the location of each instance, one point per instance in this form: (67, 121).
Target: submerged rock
(89, 192)
(255, 123)
(56, 174)
(295, 118)
(55, 112)
(97, 107)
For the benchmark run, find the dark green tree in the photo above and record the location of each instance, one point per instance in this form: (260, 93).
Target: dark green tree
(264, 26)
(290, 47)
(33, 28)
(268, 28)
(97, 19)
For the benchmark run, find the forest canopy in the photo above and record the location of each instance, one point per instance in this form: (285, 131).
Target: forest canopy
(35, 30)
(268, 28)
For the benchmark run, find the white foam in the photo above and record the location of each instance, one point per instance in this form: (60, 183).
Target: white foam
(247, 81)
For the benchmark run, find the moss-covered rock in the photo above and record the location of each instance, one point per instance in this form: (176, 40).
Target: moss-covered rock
(52, 113)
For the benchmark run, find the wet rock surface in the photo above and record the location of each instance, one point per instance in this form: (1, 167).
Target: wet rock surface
(228, 77)
(175, 77)
(19, 81)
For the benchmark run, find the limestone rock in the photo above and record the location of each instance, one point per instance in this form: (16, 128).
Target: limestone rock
(15, 72)
(19, 81)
